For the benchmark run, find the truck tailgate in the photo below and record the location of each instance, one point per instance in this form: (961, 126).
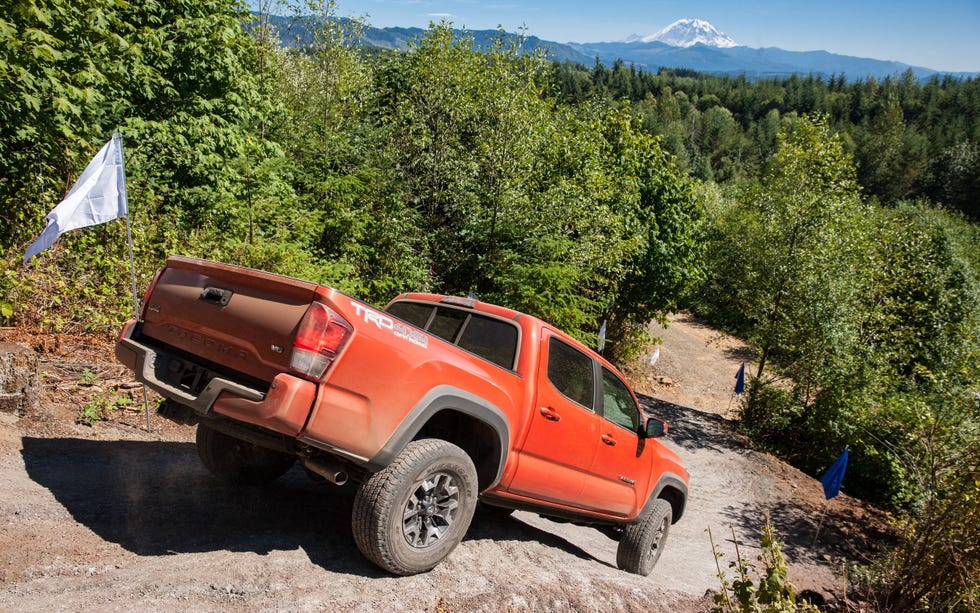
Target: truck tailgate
(241, 318)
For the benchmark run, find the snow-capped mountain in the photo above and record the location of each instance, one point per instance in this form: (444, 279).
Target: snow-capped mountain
(723, 56)
(687, 33)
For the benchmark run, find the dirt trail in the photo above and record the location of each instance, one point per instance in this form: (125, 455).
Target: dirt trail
(694, 366)
(111, 517)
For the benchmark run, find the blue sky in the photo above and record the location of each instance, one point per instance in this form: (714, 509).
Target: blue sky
(938, 34)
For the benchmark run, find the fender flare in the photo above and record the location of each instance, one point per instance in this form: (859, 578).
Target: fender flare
(440, 398)
(672, 480)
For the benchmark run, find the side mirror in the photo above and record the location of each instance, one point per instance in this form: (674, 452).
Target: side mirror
(655, 428)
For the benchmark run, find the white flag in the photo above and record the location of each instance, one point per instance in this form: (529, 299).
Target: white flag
(98, 196)
(655, 356)
(602, 336)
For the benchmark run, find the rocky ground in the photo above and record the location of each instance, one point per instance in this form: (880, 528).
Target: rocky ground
(110, 516)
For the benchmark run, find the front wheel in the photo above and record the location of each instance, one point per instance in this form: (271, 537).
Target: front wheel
(642, 542)
(411, 515)
(238, 461)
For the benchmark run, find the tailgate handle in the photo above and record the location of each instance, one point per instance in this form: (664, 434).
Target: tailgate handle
(216, 295)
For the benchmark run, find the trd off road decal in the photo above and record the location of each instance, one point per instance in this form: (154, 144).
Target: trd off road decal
(384, 322)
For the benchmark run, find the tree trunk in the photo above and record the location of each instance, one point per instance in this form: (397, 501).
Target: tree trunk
(19, 381)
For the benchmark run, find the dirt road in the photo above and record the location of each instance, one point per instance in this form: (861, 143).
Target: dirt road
(111, 517)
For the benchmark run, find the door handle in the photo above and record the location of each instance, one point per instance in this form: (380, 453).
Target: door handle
(550, 414)
(609, 440)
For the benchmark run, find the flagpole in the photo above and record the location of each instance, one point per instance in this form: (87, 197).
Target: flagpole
(831, 482)
(739, 387)
(820, 523)
(602, 337)
(136, 307)
(132, 268)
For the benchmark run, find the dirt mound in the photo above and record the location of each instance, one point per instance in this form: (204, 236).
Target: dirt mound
(111, 516)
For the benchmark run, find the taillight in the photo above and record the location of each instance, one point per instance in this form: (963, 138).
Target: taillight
(125, 330)
(321, 336)
(149, 290)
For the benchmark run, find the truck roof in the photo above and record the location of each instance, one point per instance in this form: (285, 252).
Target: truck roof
(469, 303)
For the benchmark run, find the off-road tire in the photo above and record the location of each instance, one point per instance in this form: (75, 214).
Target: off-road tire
(642, 542)
(411, 515)
(238, 461)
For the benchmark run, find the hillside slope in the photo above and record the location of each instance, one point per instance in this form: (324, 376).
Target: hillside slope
(111, 516)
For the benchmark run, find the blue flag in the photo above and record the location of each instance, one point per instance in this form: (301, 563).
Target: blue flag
(835, 476)
(740, 380)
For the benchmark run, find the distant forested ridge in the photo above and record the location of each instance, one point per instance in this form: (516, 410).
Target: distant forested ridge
(910, 139)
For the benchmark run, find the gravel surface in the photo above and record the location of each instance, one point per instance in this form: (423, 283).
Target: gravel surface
(111, 517)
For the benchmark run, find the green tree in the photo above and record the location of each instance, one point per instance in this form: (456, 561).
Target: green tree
(800, 249)
(891, 159)
(782, 264)
(528, 203)
(362, 237)
(917, 295)
(667, 211)
(720, 141)
(58, 63)
(954, 178)
(179, 80)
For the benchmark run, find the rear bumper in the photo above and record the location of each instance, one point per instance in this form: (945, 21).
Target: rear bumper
(284, 407)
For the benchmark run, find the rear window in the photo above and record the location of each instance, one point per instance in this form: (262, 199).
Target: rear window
(490, 338)
(412, 312)
(447, 323)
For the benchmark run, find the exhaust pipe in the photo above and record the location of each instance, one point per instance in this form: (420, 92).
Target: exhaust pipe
(328, 470)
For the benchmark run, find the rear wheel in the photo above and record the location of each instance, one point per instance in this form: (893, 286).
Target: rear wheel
(238, 461)
(411, 515)
(642, 542)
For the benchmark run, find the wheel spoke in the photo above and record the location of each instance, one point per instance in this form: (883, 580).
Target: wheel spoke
(430, 510)
(413, 531)
(446, 510)
(657, 538)
(432, 532)
(412, 508)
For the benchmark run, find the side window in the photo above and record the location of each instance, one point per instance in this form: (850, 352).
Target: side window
(618, 405)
(491, 339)
(571, 372)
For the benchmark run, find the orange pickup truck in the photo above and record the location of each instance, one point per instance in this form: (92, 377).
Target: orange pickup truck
(428, 406)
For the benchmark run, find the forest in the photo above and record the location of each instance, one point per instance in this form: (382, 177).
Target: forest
(830, 223)
(909, 139)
